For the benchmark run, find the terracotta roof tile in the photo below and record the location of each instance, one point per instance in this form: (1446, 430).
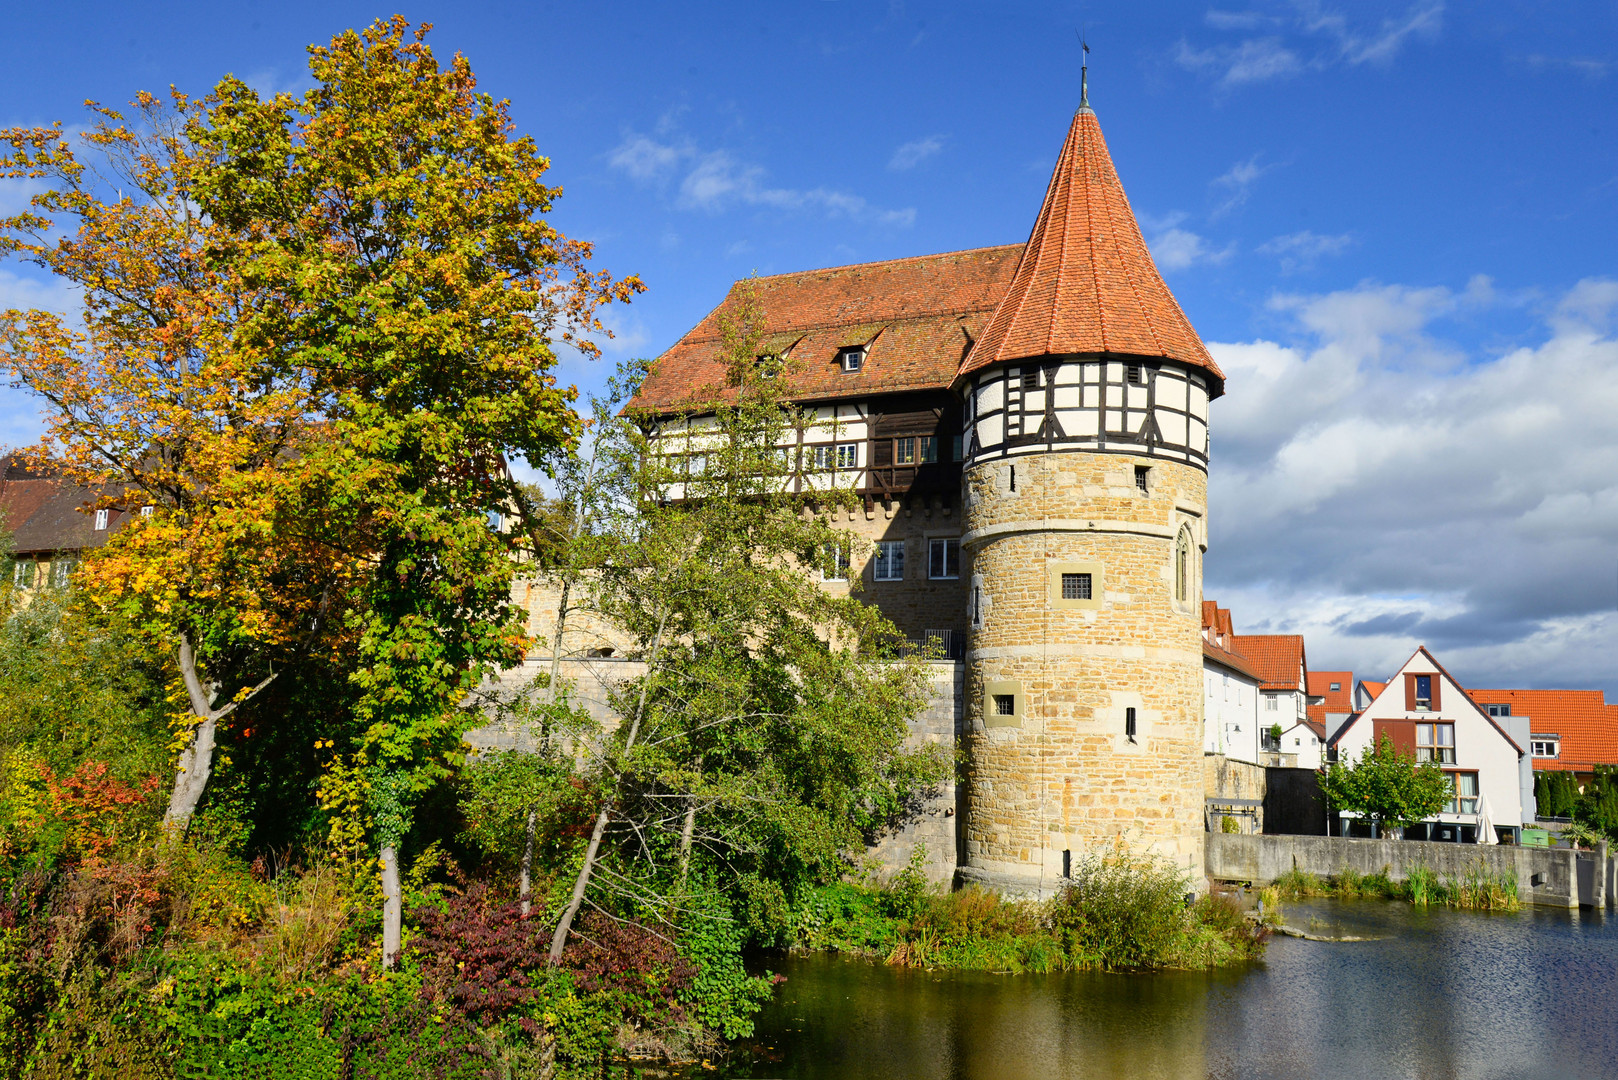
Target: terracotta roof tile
(1585, 723)
(918, 317)
(1234, 661)
(1278, 658)
(45, 514)
(1086, 282)
(1340, 700)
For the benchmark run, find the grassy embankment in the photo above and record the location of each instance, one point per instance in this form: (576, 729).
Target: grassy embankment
(1476, 889)
(1121, 913)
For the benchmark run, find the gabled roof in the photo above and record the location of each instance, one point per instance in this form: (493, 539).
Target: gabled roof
(916, 316)
(1278, 658)
(1086, 282)
(1421, 650)
(1374, 688)
(1586, 725)
(1340, 700)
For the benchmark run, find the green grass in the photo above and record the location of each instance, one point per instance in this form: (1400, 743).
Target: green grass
(1474, 889)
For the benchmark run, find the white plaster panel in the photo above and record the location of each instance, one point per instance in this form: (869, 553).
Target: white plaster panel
(1069, 397)
(1171, 391)
(1115, 396)
(991, 396)
(1137, 396)
(1199, 402)
(991, 431)
(1085, 424)
(1172, 425)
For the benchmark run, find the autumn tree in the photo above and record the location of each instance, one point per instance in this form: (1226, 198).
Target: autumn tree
(392, 227)
(315, 331)
(153, 402)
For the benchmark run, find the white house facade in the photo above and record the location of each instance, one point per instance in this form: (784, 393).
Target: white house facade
(1428, 714)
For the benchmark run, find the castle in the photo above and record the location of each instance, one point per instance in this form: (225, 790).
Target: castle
(1025, 429)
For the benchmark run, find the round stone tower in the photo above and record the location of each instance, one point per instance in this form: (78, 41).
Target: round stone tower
(1086, 467)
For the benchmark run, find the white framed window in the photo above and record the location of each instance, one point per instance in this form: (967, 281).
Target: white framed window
(822, 458)
(101, 521)
(22, 573)
(1272, 704)
(1498, 710)
(1336, 686)
(1436, 742)
(848, 455)
(1463, 791)
(836, 565)
(59, 572)
(1545, 747)
(888, 564)
(146, 511)
(943, 558)
(852, 359)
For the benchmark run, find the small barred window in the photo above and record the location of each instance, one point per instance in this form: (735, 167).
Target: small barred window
(1076, 587)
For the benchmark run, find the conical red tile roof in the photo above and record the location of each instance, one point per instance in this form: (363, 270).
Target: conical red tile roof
(1086, 282)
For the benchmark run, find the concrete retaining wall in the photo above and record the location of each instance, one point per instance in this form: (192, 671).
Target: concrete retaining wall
(1232, 789)
(1262, 859)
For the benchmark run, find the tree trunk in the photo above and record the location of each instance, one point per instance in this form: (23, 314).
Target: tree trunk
(524, 878)
(559, 939)
(392, 906)
(686, 832)
(196, 760)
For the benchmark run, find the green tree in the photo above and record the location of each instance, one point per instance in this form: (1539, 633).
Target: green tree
(1597, 807)
(1387, 786)
(764, 737)
(393, 228)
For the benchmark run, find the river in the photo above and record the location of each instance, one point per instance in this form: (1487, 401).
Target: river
(1433, 994)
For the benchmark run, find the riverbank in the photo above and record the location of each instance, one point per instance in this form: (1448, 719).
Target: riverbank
(1121, 913)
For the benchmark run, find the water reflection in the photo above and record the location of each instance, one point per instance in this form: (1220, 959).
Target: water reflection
(1435, 995)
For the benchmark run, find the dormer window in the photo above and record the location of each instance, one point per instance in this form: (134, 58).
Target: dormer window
(1546, 746)
(101, 521)
(852, 358)
(1498, 710)
(768, 365)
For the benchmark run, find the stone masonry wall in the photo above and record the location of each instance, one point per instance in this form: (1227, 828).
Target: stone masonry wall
(1063, 776)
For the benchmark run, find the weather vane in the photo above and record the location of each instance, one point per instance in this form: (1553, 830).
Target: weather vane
(1084, 73)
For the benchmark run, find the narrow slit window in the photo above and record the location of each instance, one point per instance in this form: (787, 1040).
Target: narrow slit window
(1076, 587)
(1011, 477)
(1182, 567)
(1129, 723)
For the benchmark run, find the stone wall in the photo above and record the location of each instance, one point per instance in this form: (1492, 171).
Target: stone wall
(1234, 789)
(916, 603)
(1261, 859)
(1062, 775)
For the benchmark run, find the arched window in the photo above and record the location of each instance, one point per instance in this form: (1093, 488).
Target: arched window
(1182, 566)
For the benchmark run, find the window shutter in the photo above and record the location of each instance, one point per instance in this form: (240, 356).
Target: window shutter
(1410, 693)
(1402, 732)
(1438, 681)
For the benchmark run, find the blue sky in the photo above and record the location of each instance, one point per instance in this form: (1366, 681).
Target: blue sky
(1393, 223)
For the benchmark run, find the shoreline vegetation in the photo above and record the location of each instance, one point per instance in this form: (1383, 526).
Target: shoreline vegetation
(1475, 889)
(1122, 912)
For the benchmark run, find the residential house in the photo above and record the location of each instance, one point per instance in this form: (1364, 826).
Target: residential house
(50, 523)
(1568, 730)
(1365, 693)
(1283, 668)
(1230, 711)
(1429, 715)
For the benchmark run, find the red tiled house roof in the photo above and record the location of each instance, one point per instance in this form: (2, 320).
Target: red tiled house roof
(1340, 700)
(917, 318)
(1278, 658)
(1234, 661)
(1586, 725)
(45, 514)
(1086, 282)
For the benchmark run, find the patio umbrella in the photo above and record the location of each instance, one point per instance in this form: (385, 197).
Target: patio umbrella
(1485, 822)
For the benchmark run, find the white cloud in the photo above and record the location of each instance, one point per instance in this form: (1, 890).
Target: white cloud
(1305, 37)
(916, 151)
(715, 181)
(1376, 487)
(1588, 66)
(1301, 250)
(1175, 248)
(1236, 182)
(1254, 60)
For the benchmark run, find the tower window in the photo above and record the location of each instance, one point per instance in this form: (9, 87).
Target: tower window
(1011, 477)
(977, 607)
(1182, 566)
(1075, 586)
(1132, 372)
(851, 359)
(1005, 704)
(1129, 723)
(1140, 478)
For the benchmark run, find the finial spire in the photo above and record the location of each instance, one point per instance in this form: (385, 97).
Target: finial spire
(1084, 75)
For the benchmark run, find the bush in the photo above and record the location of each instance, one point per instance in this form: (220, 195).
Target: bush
(1123, 912)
